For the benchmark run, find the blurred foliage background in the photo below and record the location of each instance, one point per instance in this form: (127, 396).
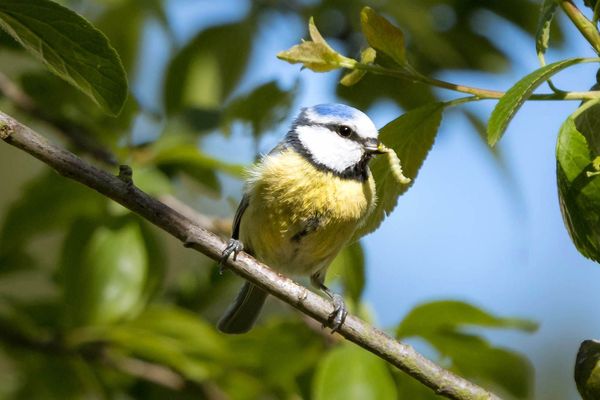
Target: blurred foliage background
(95, 303)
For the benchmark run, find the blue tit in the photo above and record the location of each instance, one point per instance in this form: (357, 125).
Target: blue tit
(303, 201)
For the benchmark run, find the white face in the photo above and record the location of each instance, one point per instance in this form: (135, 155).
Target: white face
(316, 131)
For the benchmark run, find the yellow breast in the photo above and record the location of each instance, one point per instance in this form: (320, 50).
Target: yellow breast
(299, 217)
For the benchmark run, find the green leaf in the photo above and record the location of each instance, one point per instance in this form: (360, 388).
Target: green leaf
(475, 358)
(110, 281)
(349, 267)
(167, 335)
(262, 350)
(349, 372)
(367, 56)
(411, 136)
(441, 324)
(451, 315)
(48, 202)
(587, 370)
(263, 108)
(579, 194)
(542, 35)
(383, 36)
(204, 73)
(315, 56)
(513, 99)
(194, 163)
(70, 47)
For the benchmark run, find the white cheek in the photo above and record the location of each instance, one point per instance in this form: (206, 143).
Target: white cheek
(328, 148)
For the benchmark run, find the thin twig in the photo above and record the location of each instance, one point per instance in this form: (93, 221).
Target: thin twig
(478, 93)
(403, 356)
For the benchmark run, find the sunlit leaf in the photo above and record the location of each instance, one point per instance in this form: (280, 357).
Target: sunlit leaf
(587, 370)
(70, 47)
(367, 56)
(315, 56)
(383, 36)
(349, 372)
(514, 98)
(411, 136)
(579, 194)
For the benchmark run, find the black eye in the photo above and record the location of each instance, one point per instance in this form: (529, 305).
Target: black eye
(344, 130)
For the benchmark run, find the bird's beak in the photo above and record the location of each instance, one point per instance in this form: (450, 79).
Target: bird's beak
(373, 146)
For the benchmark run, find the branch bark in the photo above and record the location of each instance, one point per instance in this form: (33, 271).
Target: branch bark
(121, 190)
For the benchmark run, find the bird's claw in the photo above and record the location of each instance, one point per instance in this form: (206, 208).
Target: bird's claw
(234, 246)
(338, 315)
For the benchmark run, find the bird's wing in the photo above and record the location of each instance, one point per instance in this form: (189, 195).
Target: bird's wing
(237, 219)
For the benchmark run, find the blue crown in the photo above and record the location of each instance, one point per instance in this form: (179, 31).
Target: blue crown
(336, 110)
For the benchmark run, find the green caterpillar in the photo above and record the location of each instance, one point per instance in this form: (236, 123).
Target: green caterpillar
(395, 166)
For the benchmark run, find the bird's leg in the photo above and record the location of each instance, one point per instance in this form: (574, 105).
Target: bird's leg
(338, 315)
(234, 246)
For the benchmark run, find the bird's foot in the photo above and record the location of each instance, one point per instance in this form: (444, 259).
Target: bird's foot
(234, 246)
(340, 312)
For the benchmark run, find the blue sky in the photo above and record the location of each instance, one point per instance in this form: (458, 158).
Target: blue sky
(467, 229)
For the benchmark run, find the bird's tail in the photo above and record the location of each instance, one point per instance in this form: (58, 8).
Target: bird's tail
(243, 312)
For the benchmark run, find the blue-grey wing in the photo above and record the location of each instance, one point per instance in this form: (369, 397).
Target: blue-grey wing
(237, 219)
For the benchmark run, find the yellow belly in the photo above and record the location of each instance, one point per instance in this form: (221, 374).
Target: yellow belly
(299, 217)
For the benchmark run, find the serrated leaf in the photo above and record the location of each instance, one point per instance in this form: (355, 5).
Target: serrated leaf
(513, 99)
(411, 136)
(542, 35)
(587, 370)
(70, 47)
(349, 372)
(349, 267)
(383, 36)
(451, 315)
(579, 195)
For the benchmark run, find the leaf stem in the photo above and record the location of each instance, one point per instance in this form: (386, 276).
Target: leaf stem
(585, 26)
(478, 93)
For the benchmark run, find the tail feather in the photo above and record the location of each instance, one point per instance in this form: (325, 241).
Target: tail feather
(243, 312)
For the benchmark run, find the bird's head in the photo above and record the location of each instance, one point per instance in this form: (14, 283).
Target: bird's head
(337, 138)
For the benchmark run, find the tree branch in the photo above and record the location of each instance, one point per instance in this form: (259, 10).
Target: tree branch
(403, 356)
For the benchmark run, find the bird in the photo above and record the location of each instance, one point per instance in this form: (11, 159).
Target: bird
(302, 203)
